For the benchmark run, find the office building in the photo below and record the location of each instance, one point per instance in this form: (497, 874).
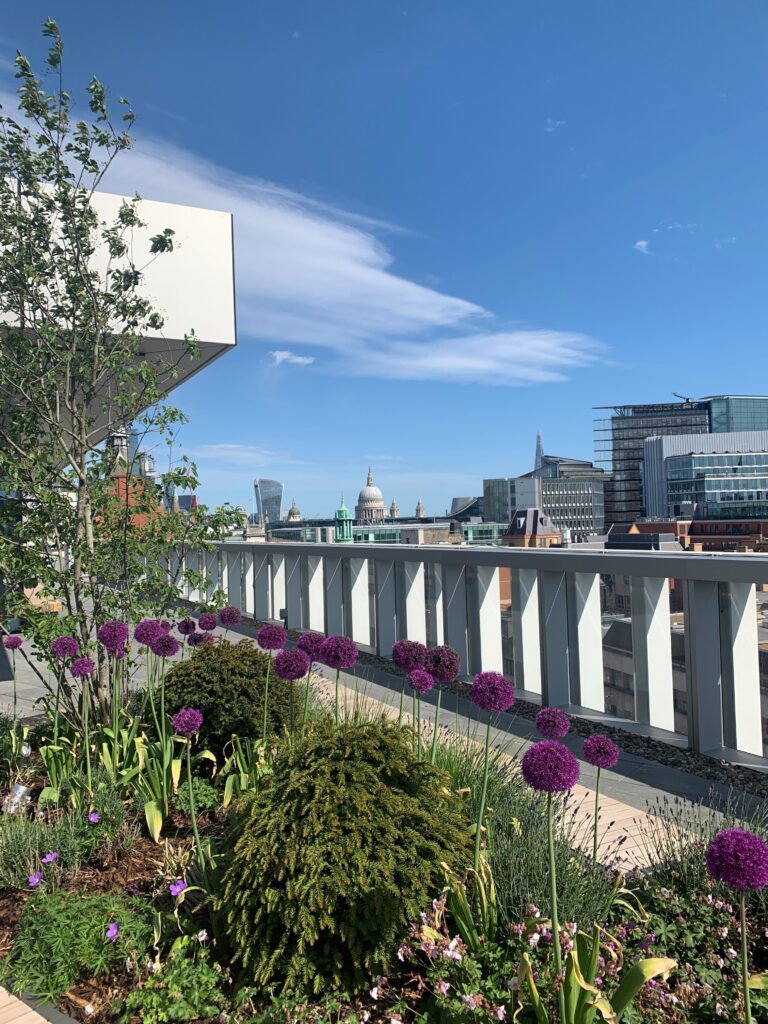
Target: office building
(620, 440)
(269, 501)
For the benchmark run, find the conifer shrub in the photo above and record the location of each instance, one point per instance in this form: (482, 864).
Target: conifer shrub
(225, 681)
(335, 854)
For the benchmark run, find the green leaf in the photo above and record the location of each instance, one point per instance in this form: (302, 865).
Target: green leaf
(759, 982)
(636, 977)
(154, 818)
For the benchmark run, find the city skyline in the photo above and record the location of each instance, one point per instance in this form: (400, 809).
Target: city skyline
(451, 220)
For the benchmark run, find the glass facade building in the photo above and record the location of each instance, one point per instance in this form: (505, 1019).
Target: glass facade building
(722, 485)
(269, 501)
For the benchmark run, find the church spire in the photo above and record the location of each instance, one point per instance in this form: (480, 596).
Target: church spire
(539, 461)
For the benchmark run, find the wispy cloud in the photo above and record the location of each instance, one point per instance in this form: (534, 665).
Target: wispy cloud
(552, 125)
(243, 455)
(643, 245)
(721, 243)
(284, 356)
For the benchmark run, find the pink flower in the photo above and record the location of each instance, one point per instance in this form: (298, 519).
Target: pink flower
(442, 987)
(501, 1013)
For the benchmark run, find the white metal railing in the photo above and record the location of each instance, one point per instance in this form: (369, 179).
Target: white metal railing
(378, 594)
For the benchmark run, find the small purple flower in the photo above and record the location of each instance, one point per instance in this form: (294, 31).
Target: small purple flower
(94, 817)
(550, 767)
(64, 647)
(81, 667)
(35, 879)
(491, 692)
(163, 645)
(444, 663)
(553, 723)
(186, 627)
(187, 722)
(311, 644)
(207, 621)
(738, 858)
(113, 635)
(177, 888)
(338, 652)
(230, 616)
(408, 655)
(50, 858)
(600, 751)
(113, 930)
(271, 637)
(12, 642)
(421, 680)
(195, 639)
(166, 625)
(291, 664)
(146, 631)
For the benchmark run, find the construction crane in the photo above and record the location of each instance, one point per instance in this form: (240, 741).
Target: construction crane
(684, 398)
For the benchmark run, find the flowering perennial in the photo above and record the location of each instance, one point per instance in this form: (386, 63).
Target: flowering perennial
(187, 721)
(163, 645)
(550, 767)
(271, 637)
(291, 664)
(177, 888)
(492, 692)
(207, 621)
(113, 635)
(553, 723)
(146, 631)
(311, 644)
(408, 655)
(600, 751)
(64, 647)
(81, 667)
(421, 680)
(443, 663)
(12, 642)
(738, 858)
(230, 616)
(338, 652)
(186, 627)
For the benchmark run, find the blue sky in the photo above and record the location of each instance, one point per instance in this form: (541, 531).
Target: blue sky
(463, 221)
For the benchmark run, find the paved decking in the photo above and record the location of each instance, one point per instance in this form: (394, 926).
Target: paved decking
(13, 1011)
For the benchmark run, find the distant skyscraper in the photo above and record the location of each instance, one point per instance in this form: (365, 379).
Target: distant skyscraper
(538, 462)
(269, 501)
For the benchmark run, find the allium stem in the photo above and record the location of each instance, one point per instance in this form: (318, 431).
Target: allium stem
(413, 717)
(433, 752)
(13, 669)
(56, 708)
(597, 821)
(418, 726)
(483, 794)
(337, 696)
(86, 731)
(193, 813)
(402, 698)
(306, 699)
(266, 699)
(745, 959)
(553, 900)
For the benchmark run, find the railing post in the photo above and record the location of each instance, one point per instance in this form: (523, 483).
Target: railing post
(526, 639)
(357, 624)
(334, 597)
(211, 571)
(193, 562)
(262, 587)
(233, 567)
(703, 671)
(278, 586)
(484, 620)
(386, 606)
(455, 612)
(293, 595)
(249, 582)
(652, 652)
(315, 612)
(585, 640)
(553, 616)
(412, 621)
(740, 664)
(437, 633)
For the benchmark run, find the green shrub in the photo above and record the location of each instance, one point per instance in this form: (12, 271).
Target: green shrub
(207, 797)
(62, 938)
(338, 851)
(226, 682)
(186, 987)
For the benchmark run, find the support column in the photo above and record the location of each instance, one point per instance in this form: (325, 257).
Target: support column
(278, 586)
(248, 569)
(585, 640)
(455, 612)
(702, 665)
(386, 606)
(412, 621)
(211, 570)
(357, 624)
(652, 652)
(526, 642)
(234, 576)
(436, 604)
(484, 620)
(553, 616)
(740, 664)
(193, 563)
(334, 597)
(176, 578)
(315, 611)
(262, 587)
(293, 587)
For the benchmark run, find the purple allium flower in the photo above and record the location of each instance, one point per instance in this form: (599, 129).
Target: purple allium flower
(271, 637)
(550, 767)
(81, 667)
(195, 639)
(738, 858)
(553, 723)
(408, 655)
(187, 721)
(444, 663)
(163, 645)
(146, 631)
(177, 888)
(338, 652)
(421, 680)
(230, 616)
(113, 930)
(186, 627)
(166, 625)
(291, 664)
(94, 817)
(113, 635)
(491, 692)
(12, 642)
(35, 879)
(311, 644)
(600, 751)
(50, 858)
(207, 621)
(64, 647)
